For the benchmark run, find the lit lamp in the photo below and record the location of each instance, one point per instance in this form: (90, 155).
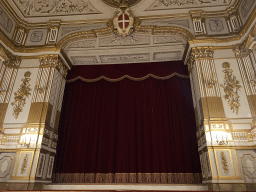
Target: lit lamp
(221, 138)
(26, 141)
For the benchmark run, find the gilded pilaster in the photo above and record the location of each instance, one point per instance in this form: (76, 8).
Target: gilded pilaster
(247, 66)
(218, 161)
(8, 72)
(32, 89)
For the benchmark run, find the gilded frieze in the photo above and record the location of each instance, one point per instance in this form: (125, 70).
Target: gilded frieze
(20, 96)
(231, 87)
(32, 8)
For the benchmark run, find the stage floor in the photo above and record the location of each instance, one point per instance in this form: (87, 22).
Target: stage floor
(127, 187)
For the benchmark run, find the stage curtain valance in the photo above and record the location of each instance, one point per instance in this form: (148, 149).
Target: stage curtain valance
(135, 72)
(128, 130)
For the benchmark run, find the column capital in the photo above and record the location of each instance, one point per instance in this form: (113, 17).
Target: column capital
(54, 61)
(241, 50)
(198, 53)
(9, 59)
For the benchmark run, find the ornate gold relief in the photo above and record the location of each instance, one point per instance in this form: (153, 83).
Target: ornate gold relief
(24, 164)
(241, 50)
(224, 162)
(10, 60)
(199, 53)
(231, 87)
(210, 84)
(53, 61)
(21, 95)
(40, 89)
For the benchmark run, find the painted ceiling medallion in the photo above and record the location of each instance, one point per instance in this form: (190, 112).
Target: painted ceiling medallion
(123, 21)
(117, 3)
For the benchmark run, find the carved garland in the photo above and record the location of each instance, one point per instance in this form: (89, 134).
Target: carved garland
(231, 87)
(24, 164)
(224, 162)
(21, 95)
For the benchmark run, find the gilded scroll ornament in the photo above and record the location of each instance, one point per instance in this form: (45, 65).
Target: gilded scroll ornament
(21, 95)
(24, 164)
(231, 87)
(224, 162)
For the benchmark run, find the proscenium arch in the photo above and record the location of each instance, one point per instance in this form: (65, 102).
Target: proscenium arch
(183, 33)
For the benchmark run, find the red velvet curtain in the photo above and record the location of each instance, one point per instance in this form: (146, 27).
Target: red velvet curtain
(127, 126)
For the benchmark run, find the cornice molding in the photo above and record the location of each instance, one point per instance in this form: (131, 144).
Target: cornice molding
(24, 23)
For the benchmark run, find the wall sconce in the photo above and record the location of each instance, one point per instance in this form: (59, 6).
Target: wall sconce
(26, 141)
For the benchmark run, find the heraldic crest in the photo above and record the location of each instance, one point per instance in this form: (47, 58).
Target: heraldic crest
(124, 20)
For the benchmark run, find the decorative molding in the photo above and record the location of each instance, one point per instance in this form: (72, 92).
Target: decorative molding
(125, 58)
(249, 165)
(246, 7)
(167, 56)
(5, 21)
(31, 8)
(83, 60)
(167, 22)
(50, 167)
(6, 163)
(231, 87)
(172, 4)
(41, 165)
(24, 164)
(82, 44)
(72, 29)
(36, 36)
(21, 95)
(224, 162)
(166, 39)
(128, 40)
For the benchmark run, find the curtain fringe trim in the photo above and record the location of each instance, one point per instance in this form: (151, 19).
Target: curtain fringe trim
(126, 76)
(157, 178)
